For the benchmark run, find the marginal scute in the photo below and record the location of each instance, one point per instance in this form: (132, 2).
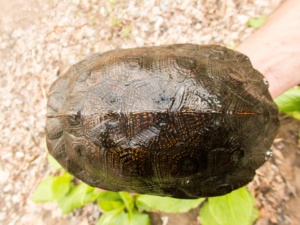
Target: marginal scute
(186, 62)
(133, 62)
(53, 128)
(183, 120)
(57, 149)
(55, 103)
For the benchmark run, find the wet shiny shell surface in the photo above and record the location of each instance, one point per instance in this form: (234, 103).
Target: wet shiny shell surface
(181, 120)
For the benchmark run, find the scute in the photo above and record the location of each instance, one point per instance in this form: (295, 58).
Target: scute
(182, 120)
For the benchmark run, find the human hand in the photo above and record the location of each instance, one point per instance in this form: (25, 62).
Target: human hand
(274, 49)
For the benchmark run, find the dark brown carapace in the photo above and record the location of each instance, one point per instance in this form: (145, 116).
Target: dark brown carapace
(183, 120)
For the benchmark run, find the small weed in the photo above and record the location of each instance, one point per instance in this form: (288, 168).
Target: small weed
(116, 22)
(257, 22)
(124, 208)
(126, 32)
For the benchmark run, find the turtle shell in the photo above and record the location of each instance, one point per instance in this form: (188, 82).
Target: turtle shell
(182, 120)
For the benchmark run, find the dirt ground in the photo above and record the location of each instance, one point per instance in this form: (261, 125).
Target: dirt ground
(40, 39)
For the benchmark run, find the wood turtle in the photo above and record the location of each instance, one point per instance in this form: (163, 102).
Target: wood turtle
(182, 120)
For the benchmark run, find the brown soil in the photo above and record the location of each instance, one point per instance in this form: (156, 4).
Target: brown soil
(40, 39)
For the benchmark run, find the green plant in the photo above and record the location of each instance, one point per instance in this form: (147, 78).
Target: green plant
(120, 208)
(115, 22)
(231, 46)
(289, 102)
(124, 208)
(126, 32)
(62, 190)
(117, 207)
(234, 208)
(256, 22)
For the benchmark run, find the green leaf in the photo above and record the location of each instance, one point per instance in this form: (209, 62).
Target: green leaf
(166, 204)
(257, 22)
(114, 217)
(289, 101)
(79, 196)
(53, 188)
(52, 162)
(118, 216)
(137, 218)
(110, 200)
(235, 208)
(61, 186)
(206, 217)
(128, 200)
(91, 195)
(43, 193)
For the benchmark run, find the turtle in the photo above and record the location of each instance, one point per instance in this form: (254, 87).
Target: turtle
(181, 120)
